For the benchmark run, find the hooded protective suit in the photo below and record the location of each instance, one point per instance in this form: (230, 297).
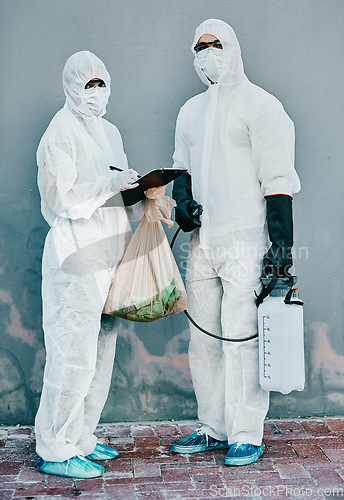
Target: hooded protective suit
(237, 143)
(82, 249)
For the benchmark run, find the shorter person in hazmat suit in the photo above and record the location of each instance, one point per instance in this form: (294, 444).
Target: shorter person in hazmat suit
(85, 243)
(237, 143)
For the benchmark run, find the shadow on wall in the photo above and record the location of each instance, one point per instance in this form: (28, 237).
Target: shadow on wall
(324, 389)
(21, 353)
(147, 386)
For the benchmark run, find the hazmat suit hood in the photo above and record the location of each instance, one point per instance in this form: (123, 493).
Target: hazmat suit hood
(79, 69)
(232, 70)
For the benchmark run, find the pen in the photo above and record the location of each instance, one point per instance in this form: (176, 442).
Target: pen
(121, 170)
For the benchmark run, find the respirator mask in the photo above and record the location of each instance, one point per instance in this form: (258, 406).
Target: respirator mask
(210, 62)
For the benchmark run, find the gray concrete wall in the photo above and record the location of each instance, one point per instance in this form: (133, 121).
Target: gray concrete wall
(292, 48)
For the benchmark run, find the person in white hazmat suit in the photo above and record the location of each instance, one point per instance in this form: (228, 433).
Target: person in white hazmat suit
(237, 144)
(82, 249)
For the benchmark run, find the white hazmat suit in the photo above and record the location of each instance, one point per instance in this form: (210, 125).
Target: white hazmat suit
(85, 243)
(237, 143)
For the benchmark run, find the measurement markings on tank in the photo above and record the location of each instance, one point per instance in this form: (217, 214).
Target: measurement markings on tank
(266, 342)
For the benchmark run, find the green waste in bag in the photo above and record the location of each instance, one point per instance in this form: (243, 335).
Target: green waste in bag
(160, 306)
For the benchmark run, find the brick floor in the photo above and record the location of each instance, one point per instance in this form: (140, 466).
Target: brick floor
(303, 459)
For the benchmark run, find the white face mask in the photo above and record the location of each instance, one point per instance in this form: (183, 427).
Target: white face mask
(96, 99)
(210, 62)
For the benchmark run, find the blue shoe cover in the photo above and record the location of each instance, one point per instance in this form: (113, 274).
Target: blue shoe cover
(103, 452)
(243, 454)
(198, 441)
(77, 467)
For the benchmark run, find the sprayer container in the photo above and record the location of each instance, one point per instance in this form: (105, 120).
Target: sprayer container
(281, 343)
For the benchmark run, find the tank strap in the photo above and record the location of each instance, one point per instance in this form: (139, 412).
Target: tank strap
(288, 300)
(267, 289)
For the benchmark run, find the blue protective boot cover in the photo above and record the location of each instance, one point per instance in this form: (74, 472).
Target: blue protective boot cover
(77, 467)
(243, 454)
(198, 441)
(103, 452)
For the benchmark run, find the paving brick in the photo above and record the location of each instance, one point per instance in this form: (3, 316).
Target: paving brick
(19, 432)
(206, 494)
(28, 472)
(312, 451)
(142, 431)
(270, 428)
(116, 431)
(167, 430)
(149, 491)
(148, 470)
(13, 454)
(118, 466)
(286, 483)
(340, 471)
(147, 442)
(280, 449)
(206, 458)
(335, 455)
(234, 488)
(229, 473)
(187, 429)
(122, 444)
(315, 427)
(94, 486)
(292, 470)
(262, 465)
(205, 480)
(327, 478)
(167, 443)
(257, 476)
(120, 492)
(291, 427)
(335, 424)
(10, 468)
(330, 442)
(172, 459)
(175, 474)
(6, 494)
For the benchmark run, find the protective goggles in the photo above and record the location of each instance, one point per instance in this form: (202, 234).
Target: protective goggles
(205, 45)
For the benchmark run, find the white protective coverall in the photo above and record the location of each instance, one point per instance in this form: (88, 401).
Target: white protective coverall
(237, 143)
(82, 249)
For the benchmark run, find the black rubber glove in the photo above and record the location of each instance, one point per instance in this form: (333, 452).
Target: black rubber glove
(279, 214)
(188, 211)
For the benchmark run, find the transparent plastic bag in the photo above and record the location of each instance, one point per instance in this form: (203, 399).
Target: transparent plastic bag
(147, 284)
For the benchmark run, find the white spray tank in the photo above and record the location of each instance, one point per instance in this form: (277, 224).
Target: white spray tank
(281, 337)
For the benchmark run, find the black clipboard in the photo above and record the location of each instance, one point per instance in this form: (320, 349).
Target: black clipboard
(154, 178)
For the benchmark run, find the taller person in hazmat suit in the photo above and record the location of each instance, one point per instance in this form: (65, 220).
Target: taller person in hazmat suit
(82, 249)
(237, 143)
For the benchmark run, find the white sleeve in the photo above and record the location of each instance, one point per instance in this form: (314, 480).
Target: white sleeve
(273, 141)
(181, 155)
(60, 188)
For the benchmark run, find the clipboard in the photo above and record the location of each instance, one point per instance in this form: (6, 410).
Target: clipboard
(154, 178)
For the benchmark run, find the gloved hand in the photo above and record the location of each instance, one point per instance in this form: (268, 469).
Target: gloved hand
(123, 180)
(188, 211)
(279, 216)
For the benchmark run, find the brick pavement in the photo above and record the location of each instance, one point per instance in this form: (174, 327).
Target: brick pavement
(303, 459)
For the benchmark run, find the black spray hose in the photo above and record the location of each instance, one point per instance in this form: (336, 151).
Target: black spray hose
(199, 327)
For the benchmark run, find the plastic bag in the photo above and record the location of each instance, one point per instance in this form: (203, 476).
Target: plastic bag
(147, 284)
